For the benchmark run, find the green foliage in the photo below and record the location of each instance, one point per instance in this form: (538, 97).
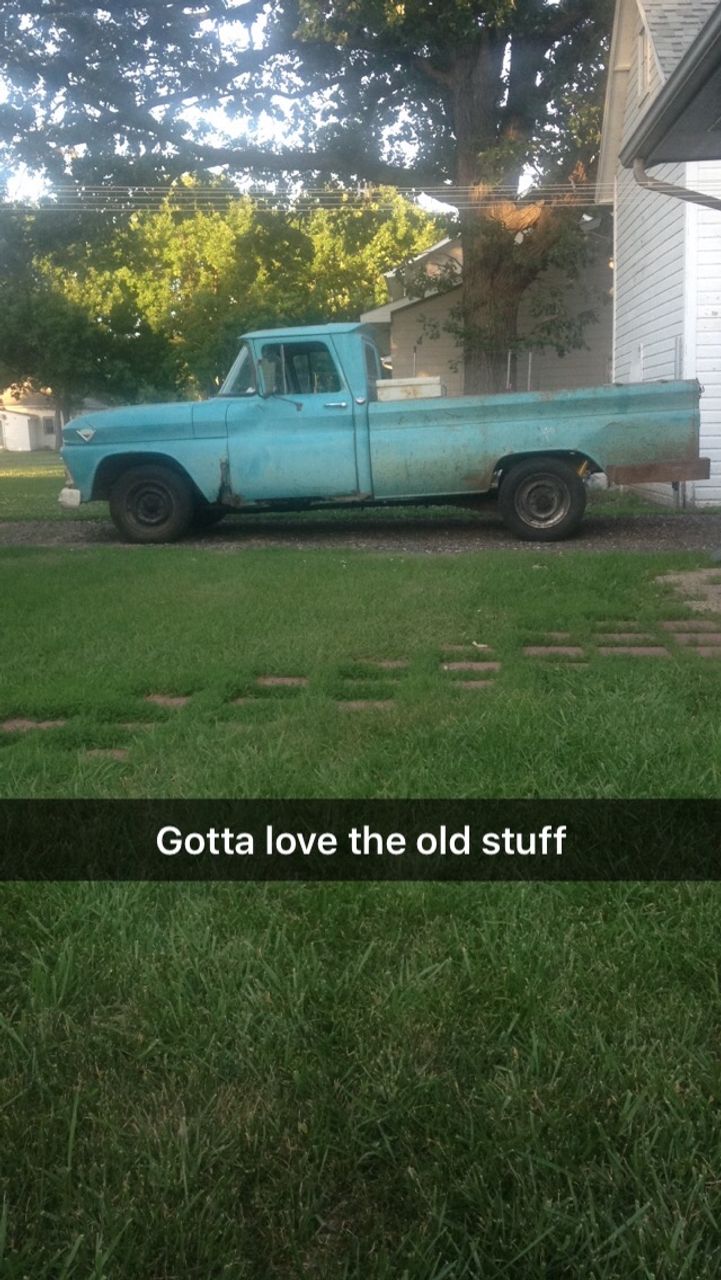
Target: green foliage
(478, 92)
(153, 305)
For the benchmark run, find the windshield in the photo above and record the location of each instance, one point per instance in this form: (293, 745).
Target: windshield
(241, 379)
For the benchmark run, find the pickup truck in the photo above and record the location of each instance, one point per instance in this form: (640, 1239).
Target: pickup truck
(299, 423)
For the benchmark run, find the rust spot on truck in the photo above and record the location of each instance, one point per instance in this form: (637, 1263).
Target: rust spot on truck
(226, 497)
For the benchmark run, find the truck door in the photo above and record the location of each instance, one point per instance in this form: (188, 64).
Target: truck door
(299, 440)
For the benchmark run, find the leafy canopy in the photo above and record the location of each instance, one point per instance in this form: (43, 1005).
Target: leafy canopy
(155, 305)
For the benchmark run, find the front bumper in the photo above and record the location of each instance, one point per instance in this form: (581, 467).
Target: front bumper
(69, 497)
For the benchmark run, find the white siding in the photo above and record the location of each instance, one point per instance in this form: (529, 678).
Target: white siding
(649, 284)
(706, 364)
(649, 265)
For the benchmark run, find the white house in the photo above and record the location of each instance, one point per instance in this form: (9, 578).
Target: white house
(27, 419)
(403, 327)
(667, 247)
(26, 422)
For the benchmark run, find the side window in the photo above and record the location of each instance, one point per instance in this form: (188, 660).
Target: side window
(302, 368)
(373, 369)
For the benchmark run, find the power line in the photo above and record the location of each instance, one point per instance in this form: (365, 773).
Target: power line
(131, 198)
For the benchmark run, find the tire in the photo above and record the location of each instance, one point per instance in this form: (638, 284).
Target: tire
(542, 499)
(205, 516)
(151, 504)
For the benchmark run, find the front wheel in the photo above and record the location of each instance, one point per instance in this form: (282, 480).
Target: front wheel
(542, 499)
(151, 504)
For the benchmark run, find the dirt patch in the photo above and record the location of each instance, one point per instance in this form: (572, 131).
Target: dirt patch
(553, 651)
(700, 588)
(385, 664)
(365, 704)
(167, 699)
(20, 725)
(635, 651)
(470, 666)
(625, 637)
(691, 638)
(282, 682)
(689, 624)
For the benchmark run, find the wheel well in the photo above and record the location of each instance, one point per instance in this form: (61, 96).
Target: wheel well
(111, 468)
(575, 457)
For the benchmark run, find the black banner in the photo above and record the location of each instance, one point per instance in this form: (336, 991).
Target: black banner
(336, 840)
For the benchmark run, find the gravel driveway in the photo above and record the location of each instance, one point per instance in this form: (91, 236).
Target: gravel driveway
(377, 532)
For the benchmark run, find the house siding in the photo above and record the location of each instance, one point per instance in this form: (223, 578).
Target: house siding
(705, 317)
(440, 356)
(649, 294)
(650, 301)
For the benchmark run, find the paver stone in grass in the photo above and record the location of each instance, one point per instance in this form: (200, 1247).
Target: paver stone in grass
(282, 682)
(553, 651)
(624, 637)
(635, 651)
(137, 726)
(175, 700)
(20, 725)
(365, 704)
(693, 638)
(108, 753)
(710, 652)
(472, 685)
(385, 664)
(470, 666)
(690, 624)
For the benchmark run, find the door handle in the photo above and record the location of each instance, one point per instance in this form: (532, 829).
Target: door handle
(335, 404)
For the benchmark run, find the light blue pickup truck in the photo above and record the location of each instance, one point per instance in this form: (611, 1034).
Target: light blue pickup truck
(303, 420)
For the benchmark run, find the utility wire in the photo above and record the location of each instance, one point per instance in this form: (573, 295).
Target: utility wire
(116, 198)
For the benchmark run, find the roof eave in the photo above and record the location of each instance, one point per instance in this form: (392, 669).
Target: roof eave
(619, 63)
(701, 59)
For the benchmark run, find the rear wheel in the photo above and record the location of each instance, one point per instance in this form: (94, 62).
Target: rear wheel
(151, 504)
(542, 499)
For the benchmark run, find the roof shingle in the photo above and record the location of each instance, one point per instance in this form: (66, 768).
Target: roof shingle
(674, 25)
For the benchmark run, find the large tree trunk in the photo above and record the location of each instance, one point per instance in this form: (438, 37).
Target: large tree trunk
(494, 275)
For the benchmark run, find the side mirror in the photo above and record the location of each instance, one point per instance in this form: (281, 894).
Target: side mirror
(268, 369)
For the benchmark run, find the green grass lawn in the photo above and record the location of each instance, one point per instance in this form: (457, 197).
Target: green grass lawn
(353, 1082)
(409, 1081)
(88, 634)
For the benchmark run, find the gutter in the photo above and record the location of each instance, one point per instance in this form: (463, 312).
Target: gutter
(671, 188)
(692, 73)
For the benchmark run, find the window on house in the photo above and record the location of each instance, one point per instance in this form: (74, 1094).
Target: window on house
(49, 426)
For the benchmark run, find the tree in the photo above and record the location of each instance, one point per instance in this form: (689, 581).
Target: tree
(418, 92)
(154, 303)
(52, 338)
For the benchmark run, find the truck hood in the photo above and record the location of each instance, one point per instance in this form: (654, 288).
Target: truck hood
(131, 423)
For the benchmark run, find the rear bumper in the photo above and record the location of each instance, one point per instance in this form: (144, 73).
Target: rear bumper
(660, 472)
